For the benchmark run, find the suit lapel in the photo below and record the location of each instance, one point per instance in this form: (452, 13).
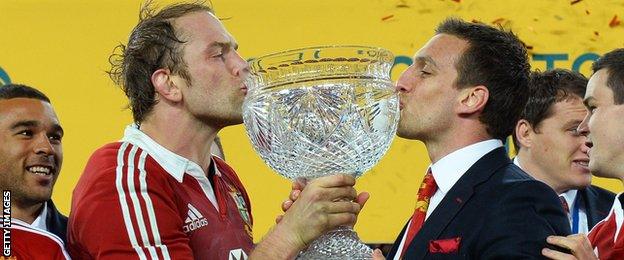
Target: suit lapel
(454, 200)
(590, 199)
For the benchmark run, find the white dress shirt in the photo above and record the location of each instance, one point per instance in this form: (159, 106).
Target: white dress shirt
(571, 199)
(40, 221)
(447, 172)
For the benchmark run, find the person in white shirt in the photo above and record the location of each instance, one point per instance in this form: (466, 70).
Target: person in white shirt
(550, 149)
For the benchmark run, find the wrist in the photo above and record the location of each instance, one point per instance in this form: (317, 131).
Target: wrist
(280, 243)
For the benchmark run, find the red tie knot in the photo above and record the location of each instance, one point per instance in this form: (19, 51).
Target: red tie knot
(564, 204)
(428, 187)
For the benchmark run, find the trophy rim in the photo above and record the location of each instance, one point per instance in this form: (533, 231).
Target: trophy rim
(275, 54)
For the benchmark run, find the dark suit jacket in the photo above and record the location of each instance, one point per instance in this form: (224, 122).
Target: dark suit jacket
(497, 210)
(598, 202)
(56, 222)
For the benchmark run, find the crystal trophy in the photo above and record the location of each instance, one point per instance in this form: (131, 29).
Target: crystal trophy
(320, 111)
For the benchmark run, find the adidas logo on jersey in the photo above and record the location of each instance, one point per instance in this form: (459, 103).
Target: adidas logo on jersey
(194, 220)
(237, 254)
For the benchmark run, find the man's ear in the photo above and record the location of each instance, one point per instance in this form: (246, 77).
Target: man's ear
(473, 99)
(523, 132)
(165, 87)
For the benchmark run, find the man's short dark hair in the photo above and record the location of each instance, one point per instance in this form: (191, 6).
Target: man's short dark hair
(10, 91)
(546, 89)
(498, 60)
(153, 44)
(613, 61)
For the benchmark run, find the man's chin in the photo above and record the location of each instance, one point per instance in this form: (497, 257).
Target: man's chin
(39, 197)
(597, 170)
(406, 134)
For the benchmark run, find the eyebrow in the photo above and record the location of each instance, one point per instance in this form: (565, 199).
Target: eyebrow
(223, 45)
(33, 123)
(58, 128)
(574, 123)
(28, 123)
(425, 59)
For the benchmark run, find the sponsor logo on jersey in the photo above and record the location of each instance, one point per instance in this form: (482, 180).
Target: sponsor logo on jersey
(237, 254)
(194, 220)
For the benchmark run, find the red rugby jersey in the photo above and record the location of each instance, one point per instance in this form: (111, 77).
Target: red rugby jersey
(31, 243)
(138, 200)
(607, 237)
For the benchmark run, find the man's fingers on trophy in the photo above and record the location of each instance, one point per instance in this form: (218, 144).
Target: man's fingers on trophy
(341, 193)
(377, 255)
(342, 219)
(286, 205)
(337, 180)
(294, 194)
(344, 206)
(278, 219)
(362, 198)
(299, 183)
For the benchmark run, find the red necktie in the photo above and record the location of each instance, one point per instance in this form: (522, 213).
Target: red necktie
(427, 189)
(564, 204)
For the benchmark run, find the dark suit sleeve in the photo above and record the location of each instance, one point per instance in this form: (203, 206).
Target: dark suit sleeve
(526, 214)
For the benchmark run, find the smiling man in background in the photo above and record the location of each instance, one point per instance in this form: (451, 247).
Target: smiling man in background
(551, 150)
(31, 155)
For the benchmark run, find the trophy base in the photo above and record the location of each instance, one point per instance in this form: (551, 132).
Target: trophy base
(340, 243)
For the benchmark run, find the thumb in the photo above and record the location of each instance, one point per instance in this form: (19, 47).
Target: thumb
(377, 255)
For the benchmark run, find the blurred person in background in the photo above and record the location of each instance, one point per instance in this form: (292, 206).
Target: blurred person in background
(551, 149)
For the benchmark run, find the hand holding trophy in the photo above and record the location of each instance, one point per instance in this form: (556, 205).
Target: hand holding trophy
(321, 111)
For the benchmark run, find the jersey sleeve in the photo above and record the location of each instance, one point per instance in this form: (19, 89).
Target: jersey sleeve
(124, 208)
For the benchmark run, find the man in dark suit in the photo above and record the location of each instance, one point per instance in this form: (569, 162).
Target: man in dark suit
(461, 98)
(551, 149)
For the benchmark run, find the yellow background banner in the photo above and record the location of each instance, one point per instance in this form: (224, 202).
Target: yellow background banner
(62, 48)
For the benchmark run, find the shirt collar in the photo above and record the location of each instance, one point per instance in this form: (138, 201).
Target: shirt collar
(517, 162)
(570, 197)
(451, 167)
(173, 163)
(40, 221)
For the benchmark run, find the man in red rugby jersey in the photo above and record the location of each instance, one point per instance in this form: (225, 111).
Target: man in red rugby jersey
(158, 193)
